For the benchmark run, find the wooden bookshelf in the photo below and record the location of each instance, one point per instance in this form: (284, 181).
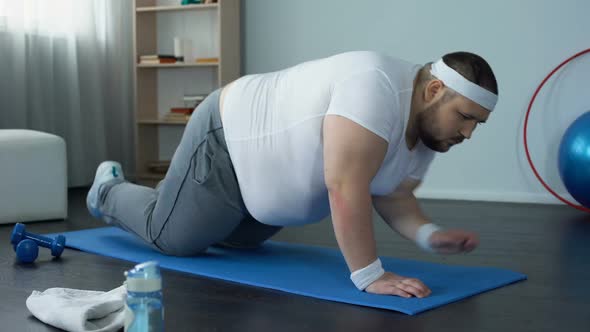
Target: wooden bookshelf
(151, 9)
(176, 65)
(214, 31)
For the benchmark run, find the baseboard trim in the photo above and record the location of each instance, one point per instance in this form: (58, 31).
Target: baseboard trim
(486, 196)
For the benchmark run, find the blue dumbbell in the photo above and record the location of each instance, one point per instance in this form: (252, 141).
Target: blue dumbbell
(56, 245)
(27, 251)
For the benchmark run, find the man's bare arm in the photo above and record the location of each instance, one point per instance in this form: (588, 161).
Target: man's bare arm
(402, 212)
(352, 157)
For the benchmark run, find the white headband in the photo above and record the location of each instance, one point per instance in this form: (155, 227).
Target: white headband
(457, 82)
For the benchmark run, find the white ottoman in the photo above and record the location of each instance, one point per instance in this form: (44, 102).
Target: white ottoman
(33, 176)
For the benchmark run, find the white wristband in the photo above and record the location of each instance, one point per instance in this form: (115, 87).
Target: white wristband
(423, 235)
(364, 277)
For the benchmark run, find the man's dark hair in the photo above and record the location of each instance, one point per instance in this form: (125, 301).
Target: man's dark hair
(474, 68)
(469, 65)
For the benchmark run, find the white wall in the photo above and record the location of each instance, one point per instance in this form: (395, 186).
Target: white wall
(522, 40)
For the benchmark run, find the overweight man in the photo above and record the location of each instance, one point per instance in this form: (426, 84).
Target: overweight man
(333, 136)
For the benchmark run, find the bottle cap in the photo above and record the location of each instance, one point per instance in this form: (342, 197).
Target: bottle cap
(144, 277)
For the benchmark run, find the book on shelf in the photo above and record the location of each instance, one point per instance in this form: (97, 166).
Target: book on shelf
(152, 59)
(207, 60)
(197, 98)
(156, 61)
(156, 56)
(178, 114)
(182, 110)
(196, 2)
(176, 117)
(193, 100)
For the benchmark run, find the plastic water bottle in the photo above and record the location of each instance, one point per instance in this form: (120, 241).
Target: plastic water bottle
(144, 309)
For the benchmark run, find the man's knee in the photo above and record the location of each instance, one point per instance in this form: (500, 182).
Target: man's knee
(250, 233)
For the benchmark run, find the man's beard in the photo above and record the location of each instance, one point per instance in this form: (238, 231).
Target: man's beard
(427, 128)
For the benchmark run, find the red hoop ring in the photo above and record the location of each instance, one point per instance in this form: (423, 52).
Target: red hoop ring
(526, 120)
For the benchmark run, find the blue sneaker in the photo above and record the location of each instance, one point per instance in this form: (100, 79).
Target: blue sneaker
(106, 171)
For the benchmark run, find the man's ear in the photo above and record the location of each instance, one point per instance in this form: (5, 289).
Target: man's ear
(432, 89)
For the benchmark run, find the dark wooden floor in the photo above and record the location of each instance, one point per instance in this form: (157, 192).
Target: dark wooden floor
(551, 244)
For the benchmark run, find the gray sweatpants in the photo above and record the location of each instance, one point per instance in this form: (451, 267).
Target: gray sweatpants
(198, 204)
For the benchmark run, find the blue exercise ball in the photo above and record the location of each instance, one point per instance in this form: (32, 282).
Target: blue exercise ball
(574, 159)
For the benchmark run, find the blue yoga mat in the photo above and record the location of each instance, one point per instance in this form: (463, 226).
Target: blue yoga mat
(301, 269)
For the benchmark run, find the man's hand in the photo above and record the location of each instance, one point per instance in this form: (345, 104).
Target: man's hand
(453, 241)
(394, 284)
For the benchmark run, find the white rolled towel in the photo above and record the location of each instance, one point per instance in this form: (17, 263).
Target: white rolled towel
(79, 310)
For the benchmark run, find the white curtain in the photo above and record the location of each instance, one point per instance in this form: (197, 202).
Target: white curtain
(66, 69)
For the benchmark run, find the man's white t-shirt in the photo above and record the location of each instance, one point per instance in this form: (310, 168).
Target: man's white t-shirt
(273, 128)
